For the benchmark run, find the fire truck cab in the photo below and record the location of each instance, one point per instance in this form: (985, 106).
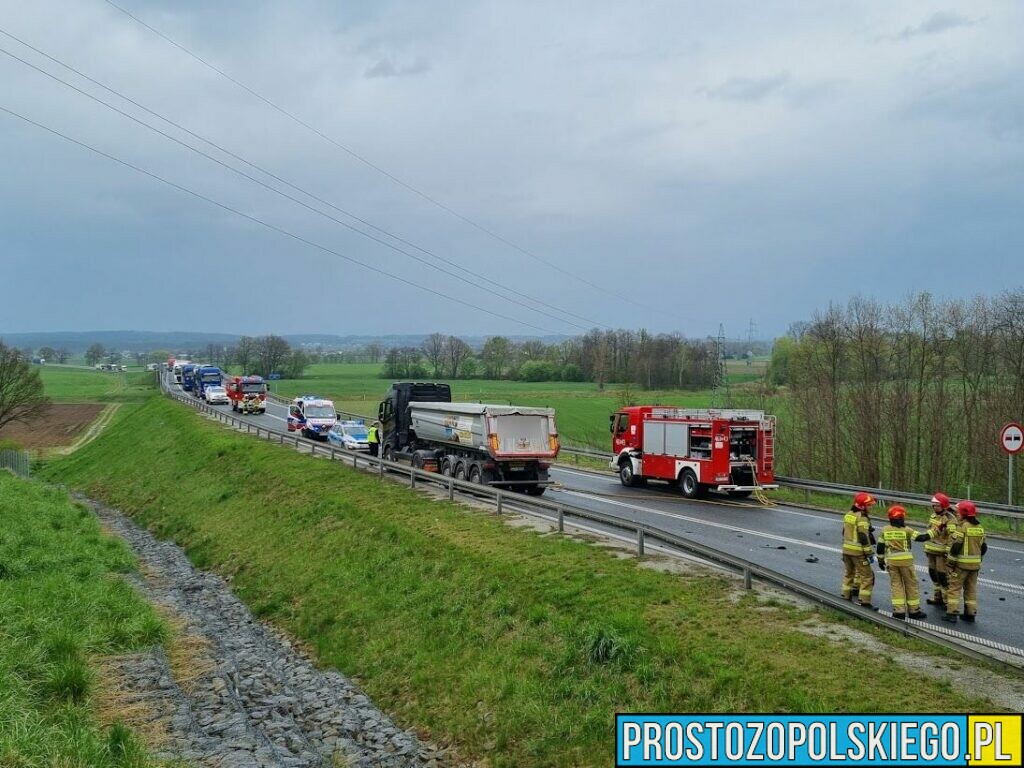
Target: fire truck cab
(726, 450)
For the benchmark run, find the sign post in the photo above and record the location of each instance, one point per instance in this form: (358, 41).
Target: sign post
(1011, 439)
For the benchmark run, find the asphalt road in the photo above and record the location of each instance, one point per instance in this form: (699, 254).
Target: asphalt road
(803, 544)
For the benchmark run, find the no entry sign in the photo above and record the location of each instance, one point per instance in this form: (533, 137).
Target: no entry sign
(1011, 438)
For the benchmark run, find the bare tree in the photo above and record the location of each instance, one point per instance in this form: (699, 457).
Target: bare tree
(456, 353)
(21, 388)
(434, 348)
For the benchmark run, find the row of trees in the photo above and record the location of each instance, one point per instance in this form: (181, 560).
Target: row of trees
(636, 357)
(910, 396)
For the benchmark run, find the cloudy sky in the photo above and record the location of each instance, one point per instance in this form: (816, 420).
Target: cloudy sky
(668, 165)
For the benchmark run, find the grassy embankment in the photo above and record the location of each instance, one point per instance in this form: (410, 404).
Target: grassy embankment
(506, 643)
(62, 606)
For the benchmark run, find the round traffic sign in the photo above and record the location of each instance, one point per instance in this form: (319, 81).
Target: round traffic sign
(1011, 438)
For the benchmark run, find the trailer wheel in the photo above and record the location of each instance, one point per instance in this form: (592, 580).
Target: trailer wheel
(446, 467)
(688, 484)
(475, 476)
(626, 474)
(460, 471)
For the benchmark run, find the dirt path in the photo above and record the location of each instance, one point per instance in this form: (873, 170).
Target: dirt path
(232, 693)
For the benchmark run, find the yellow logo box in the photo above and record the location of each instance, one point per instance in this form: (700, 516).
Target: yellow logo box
(994, 740)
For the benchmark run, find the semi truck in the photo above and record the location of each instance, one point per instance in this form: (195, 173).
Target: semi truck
(188, 376)
(207, 376)
(247, 394)
(506, 446)
(312, 415)
(727, 450)
(179, 365)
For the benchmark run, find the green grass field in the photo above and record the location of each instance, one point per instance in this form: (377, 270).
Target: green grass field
(66, 384)
(582, 410)
(513, 646)
(63, 604)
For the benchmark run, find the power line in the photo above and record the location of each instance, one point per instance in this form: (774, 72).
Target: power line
(267, 224)
(355, 155)
(273, 189)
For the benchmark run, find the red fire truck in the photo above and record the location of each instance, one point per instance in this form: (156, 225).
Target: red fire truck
(700, 449)
(247, 394)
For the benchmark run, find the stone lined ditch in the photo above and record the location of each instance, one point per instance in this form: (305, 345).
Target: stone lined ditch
(252, 699)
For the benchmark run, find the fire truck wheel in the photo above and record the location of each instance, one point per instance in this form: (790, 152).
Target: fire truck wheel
(535, 490)
(689, 486)
(626, 476)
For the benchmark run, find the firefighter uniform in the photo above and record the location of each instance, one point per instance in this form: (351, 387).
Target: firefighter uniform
(857, 573)
(894, 554)
(967, 548)
(936, 548)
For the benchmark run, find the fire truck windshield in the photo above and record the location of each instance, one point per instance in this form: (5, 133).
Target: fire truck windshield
(254, 389)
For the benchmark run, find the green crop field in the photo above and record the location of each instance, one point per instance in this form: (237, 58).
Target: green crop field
(582, 409)
(64, 604)
(514, 647)
(69, 384)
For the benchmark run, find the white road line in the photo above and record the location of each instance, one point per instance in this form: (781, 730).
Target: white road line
(999, 585)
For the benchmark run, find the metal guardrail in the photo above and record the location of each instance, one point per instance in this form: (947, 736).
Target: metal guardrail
(17, 461)
(993, 509)
(642, 533)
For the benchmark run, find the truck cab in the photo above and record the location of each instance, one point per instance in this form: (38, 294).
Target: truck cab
(393, 412)
(207, 376)
(313, 416)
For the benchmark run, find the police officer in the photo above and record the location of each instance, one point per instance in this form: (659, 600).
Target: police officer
(966, 549)
(936, 547)
(858, 554)
(373, 438)
(895, 554)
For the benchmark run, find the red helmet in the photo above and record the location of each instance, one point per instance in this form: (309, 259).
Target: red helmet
(967, 509)
(863, 500)
(897, 512)
(941, 499)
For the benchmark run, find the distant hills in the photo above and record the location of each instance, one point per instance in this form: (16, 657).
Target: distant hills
(179, 341)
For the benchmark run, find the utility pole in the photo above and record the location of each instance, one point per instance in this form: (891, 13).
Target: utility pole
(720, 389)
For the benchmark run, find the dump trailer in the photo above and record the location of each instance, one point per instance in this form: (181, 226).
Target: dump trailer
(506, 446)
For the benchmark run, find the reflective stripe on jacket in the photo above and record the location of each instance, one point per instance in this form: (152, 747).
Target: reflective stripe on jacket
(855, 534)
(896, 544)
(940, 529)
(971, 539)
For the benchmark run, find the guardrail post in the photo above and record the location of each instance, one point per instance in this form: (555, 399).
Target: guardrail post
(355, 461)
(639, 542)
(746, 578)
(333, 457)
(412, 477)
(380, 468)
(451, 489)
(561, 520)
(296, 441)
(498, 499)
(282, 438)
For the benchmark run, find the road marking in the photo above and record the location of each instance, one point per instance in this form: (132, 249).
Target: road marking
(999, 585)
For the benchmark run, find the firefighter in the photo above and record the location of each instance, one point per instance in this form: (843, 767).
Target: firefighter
(895, 554)
(936, 547)
(373, 438)
(858, 551)
(966, 549)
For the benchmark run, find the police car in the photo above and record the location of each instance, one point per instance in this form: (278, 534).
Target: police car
(350, 435)
(312, 416)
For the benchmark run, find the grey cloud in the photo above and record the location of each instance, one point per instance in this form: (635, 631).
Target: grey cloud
(387, 68)
(940, 21)
(748, 88)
